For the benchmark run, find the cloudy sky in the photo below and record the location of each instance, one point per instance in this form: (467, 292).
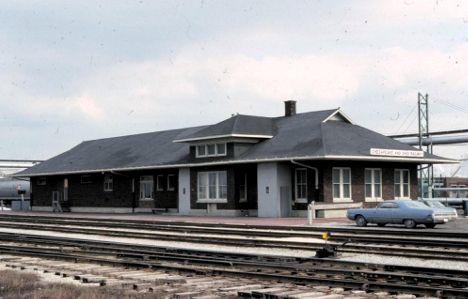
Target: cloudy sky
(80, 70)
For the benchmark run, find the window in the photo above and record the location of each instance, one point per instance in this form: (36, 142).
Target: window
(221, 149)
(373, 183)
(388, 205)
(243, 189)
(171, 182)
(146, 187)
(160, 183)
(402, 183)
(212, 187)
(301, 185)
(41, 181)
(86, 179)
(211, 150)
(341, 184)
(108, 183)
(201, 150)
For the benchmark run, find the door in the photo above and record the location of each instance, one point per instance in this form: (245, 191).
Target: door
(285, 201)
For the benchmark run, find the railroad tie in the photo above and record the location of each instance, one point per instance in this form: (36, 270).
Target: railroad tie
(211, 284)
(185, 295)
(266, 291)
(89, 278)
(331, 296)
(285, 294)
(115, 282)
(312, 294)
(141, 286)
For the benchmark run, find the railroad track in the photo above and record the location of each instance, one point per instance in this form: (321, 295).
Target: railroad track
(305, 271)
(450, 247)
(449, 238)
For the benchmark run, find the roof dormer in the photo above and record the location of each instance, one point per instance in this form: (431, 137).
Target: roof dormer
(238, 128)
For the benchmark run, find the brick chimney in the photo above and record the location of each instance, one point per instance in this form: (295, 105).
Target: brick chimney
(289, 108)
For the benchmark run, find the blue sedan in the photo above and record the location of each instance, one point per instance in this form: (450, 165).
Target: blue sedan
(407, 212)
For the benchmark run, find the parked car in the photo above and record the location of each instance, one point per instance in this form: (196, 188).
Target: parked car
(451, 213)
(407, 212)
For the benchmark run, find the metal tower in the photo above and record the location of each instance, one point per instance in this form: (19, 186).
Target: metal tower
(426, 172)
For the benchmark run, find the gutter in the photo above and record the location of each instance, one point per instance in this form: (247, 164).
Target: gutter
(275, 159)
(310, 167)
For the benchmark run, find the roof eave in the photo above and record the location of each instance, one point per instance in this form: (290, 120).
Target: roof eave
(223, 136)
(263, 160)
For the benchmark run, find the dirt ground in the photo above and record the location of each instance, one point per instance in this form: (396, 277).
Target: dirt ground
(15, 285)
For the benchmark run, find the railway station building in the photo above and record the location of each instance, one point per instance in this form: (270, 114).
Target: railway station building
(244, 165)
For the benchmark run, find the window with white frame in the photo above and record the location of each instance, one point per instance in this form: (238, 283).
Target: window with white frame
(300, 178)
(211, 150)
(341, 184)
(402, 183)
(212, 187)
(160, 182)
(373, 183)
(243, 189)
(108, 183)
(171, 182)
(146, 187)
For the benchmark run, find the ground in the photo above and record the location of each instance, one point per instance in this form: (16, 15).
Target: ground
(16, 285)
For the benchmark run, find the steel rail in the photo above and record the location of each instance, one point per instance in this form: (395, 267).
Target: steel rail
(433, 253)
(228, 228)
(152, 249)
(350, 278)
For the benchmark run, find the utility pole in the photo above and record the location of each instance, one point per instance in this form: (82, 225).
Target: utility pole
(425, 172)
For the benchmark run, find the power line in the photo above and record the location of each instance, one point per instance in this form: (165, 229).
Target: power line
(407, 117)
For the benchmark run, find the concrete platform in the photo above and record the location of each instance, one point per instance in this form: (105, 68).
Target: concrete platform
(461, 224)
(292, 221)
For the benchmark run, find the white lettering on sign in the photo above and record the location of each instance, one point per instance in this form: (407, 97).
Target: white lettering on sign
(396, 153)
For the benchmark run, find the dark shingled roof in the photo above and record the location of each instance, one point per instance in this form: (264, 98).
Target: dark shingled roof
(237, 125)
(303, 135)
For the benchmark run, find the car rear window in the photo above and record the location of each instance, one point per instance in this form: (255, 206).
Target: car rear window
(416, 205)
(436, 204)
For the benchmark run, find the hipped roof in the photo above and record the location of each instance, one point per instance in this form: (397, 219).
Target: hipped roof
(318, 135)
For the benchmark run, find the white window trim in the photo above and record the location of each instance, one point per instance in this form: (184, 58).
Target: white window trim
(147, 181)
(169, 188)
(159, 188)
(211, 200)
(373, 198)
(245, 190)
(302, 199)
(106, 184)
(343, 199)
(198, 155)
(400, 171)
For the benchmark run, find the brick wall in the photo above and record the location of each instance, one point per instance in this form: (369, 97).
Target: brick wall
(93, 195)
(42, 195)
(357, 174)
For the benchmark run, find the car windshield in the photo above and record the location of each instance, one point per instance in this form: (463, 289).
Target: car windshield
(415, 204)
(434, 204)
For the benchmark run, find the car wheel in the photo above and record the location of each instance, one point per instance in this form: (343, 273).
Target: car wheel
(409, 223)
(431, 225)
(361, 221)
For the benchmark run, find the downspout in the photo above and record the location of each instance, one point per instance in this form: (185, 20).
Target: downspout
(310, 167)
